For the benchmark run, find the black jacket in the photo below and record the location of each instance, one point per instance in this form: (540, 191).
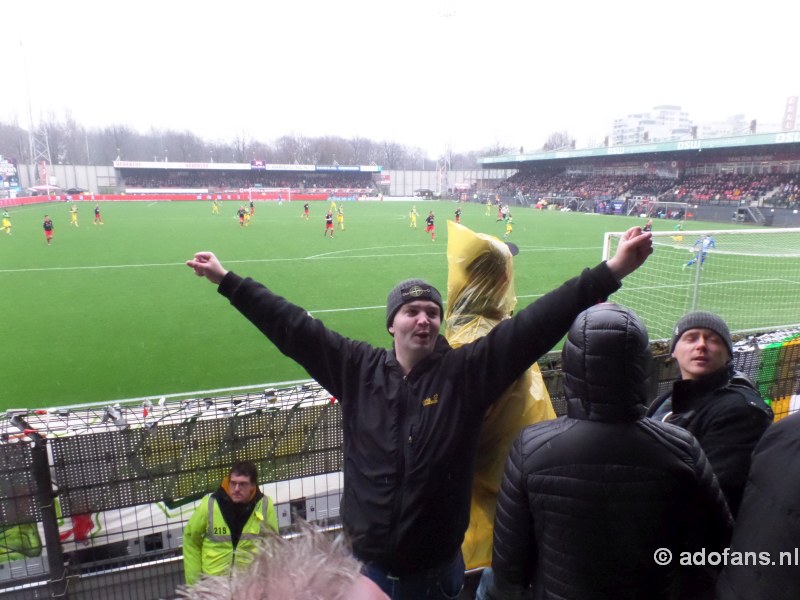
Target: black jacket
(410, 441)
(588, 499)
(727, 416)
(768, 522)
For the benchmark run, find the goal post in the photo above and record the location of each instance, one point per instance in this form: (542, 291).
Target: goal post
(271, 194)
(750, 277)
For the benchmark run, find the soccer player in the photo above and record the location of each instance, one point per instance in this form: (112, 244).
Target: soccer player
(73, 215)
(333, 206)
(701, 248)
(678, 237)
(247, 218)
(430, 228)
(509, 226)
(488, 207)
(413, 214)
(340, 218)
(97, 217)
(241, 213)
(305, 212)
(47, 225)
(215, 208)
(648, 226)
(458, 214)
(6, 222)
(280, 199)
(328, 224)
(252, 208)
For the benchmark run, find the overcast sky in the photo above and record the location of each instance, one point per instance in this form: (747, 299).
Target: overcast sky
(431, 73)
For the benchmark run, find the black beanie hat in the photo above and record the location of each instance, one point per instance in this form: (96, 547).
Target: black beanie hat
(408, 291)
(702, 320)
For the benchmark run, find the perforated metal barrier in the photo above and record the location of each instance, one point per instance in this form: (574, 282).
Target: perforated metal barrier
(116, 469)
(16, 485)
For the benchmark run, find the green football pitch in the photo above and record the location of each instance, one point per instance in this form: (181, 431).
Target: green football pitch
(110, 312)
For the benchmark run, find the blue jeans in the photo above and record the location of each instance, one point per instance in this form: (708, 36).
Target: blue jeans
(487, 578)
(440, 583)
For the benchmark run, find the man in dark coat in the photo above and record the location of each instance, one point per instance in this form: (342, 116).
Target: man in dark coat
(411, 415)
(768, 525)
(593, 503)
(721, 408)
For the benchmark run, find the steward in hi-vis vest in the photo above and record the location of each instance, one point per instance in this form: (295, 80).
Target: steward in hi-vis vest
(222, 532)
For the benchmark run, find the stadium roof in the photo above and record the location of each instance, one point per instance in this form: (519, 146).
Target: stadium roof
(667, 150)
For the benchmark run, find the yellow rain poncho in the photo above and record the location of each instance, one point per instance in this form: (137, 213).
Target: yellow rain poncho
(480, 293)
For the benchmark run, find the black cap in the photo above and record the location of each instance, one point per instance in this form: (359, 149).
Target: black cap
(701, 320)
(409, 291)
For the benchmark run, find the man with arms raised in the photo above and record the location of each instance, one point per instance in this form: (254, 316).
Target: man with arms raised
(412, 414)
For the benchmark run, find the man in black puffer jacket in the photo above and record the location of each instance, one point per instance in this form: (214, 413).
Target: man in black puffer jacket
(590, 501)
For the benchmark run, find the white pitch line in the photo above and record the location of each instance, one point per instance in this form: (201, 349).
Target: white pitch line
(326, 256)
(242, 261)
(349, 309)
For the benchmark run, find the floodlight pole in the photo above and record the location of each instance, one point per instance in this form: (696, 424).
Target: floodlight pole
(38, 143)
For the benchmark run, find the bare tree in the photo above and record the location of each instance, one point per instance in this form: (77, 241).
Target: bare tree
(417, 159)
(558, 140)
(360, 150)
(13, 142)
(333, 149)
(183, 146)
(240, 146)
(262, 151)
(72, 143)
(288, 149)
(496, 149)
(125, 143)
(393, 155)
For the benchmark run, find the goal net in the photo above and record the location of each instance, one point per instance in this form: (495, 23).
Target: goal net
(750, 277)
(279, 194)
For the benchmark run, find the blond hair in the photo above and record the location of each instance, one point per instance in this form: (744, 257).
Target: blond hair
(312, 565)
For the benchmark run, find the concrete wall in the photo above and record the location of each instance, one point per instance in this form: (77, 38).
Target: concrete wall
(405, 183)
(88, 177)
(782, 217)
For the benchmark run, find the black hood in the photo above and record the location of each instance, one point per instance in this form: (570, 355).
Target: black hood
(606, 360)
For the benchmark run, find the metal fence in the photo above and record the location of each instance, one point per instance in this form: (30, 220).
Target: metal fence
(93, 501)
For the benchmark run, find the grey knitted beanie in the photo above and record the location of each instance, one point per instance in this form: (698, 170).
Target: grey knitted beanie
(701, 320)
(408, 291)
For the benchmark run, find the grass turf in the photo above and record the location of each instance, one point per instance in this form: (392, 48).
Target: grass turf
(110, 312)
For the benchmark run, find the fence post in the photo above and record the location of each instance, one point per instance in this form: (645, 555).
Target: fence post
(57, 582)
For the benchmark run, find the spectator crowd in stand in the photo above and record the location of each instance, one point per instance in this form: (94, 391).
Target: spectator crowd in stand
(780, 190)
(235, 180)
